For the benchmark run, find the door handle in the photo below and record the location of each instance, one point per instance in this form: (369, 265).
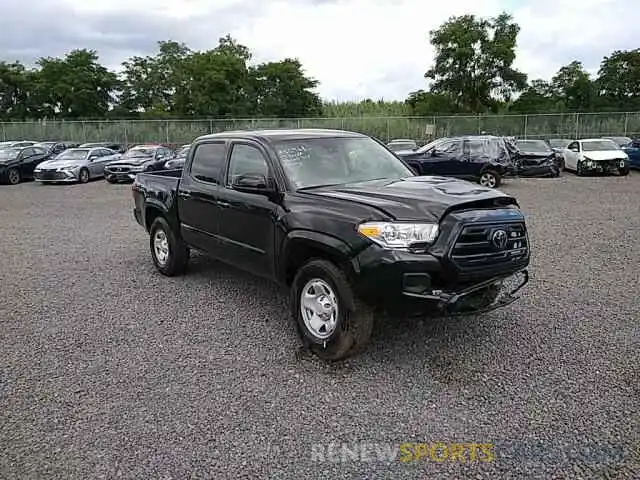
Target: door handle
(223, 203)
(184, 195)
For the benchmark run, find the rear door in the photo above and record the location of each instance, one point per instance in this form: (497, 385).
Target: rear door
(474, 158)
(198, 189)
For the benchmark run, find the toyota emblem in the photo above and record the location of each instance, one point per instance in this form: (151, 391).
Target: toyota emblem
(499, 239)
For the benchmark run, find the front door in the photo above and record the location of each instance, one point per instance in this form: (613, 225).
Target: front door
(198, 208)
(571, 155)
(247, 220)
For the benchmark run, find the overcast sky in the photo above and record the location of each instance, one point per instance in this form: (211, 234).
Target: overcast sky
(355, 48)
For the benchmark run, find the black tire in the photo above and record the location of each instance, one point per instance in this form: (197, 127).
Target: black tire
(111, 181)
(177, 253)
(624, 171)
(354, 319)
(580, 169)
(13, 176)
(490, 179)
(83, 175)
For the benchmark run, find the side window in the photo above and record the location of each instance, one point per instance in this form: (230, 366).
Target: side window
(573, 146)
(208, 162)
(246, 160)
(103, 152)
(449, 148)
(474, 148)
(28, 152)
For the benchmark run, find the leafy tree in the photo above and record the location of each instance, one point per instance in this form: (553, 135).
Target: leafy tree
(281, 89)
(424, 103)
(76, 86)
(474, 61)
(537, 98)
(619, 79)
(15, 91)
(573, 87)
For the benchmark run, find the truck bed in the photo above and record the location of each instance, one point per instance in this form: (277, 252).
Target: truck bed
(157, 189)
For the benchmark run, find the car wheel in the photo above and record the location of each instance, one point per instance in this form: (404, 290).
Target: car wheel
(580, 169)
(624, 171)
(110, 180)
(13, 175)
(332, 322)
(490, 179)
(169, 253)
(83, 175)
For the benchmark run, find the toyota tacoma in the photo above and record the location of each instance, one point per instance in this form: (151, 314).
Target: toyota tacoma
(342, 223)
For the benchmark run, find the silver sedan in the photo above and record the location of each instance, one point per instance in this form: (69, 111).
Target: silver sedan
(75, 165)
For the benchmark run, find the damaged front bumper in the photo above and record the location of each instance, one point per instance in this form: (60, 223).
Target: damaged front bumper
(602, 166)
(461, 302)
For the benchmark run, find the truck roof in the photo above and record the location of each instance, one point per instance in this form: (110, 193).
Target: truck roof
(282, 134)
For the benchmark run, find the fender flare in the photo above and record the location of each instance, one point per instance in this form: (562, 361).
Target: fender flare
(332, 246)
(157, 205)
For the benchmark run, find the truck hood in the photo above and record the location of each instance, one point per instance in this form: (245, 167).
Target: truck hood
(606, 155)
(424, 198)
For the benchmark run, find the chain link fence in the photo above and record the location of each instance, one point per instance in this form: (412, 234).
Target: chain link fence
(421, 129)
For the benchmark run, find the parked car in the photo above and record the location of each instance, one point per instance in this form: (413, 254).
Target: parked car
(75, 165)
(177, 162)
(116, 147)
(596, 155)
(56, 147)
(535, 158)
(633, 152)
(341, 222)
(401, 144)
(16, 144)
(141, 158)
(18, 163)
(483, 159)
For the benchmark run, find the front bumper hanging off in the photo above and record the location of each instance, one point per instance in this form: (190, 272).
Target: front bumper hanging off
(448, 303)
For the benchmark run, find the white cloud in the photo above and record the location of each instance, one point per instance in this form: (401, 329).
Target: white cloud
(355, 48)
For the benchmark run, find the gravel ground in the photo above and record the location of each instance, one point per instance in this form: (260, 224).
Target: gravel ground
(109, 370)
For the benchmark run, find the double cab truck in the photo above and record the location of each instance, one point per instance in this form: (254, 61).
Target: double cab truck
(342, 223)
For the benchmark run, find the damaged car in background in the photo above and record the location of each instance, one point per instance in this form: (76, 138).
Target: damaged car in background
(596, 155)
(484, 159)
(535, 158)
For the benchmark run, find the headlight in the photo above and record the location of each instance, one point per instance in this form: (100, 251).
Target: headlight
(67, 169)
(399, 235)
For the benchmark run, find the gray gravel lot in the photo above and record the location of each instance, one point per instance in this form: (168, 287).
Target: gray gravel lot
(109, 370)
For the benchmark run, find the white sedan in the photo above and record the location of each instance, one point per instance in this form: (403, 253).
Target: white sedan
(595, 155)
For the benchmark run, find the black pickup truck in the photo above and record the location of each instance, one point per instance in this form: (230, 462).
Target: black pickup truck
(342, 223)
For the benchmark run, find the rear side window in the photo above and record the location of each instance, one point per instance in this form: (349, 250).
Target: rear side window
(208, 162)
(474, 147)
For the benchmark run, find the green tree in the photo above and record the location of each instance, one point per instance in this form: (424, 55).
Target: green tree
(16, 92)
(424, 103)
(76, 86)
(474, 62)
(537, 98)
(573, 88)
(281, 89)
(618, 80)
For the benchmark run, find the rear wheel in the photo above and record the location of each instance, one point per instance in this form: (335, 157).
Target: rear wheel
(490, 179)
(331, 320)
(13, 175)
(169, 253)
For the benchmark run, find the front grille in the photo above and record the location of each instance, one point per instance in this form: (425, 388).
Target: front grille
(479, 247)
(119, 169)
(51, 175)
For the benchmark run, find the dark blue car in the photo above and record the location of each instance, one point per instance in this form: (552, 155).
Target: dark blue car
(631, 147)
(480, 158)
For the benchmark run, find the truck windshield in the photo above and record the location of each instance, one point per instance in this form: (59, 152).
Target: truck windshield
(317, 162)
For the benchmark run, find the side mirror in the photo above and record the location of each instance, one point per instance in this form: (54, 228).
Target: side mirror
(253, 183)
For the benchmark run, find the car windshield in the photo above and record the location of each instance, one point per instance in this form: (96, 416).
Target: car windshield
(139, 152)
(9, 153)
(398, 146)
(559, 143)
(317, 162)
(538, 146)
(599, 146)
(73, 154)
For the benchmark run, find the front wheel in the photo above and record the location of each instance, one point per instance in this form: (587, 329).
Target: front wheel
(13, 175)
(580, 170)
(331, 320)
(490, 179)
(623, 170)
(83, 176)
(169, 253)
